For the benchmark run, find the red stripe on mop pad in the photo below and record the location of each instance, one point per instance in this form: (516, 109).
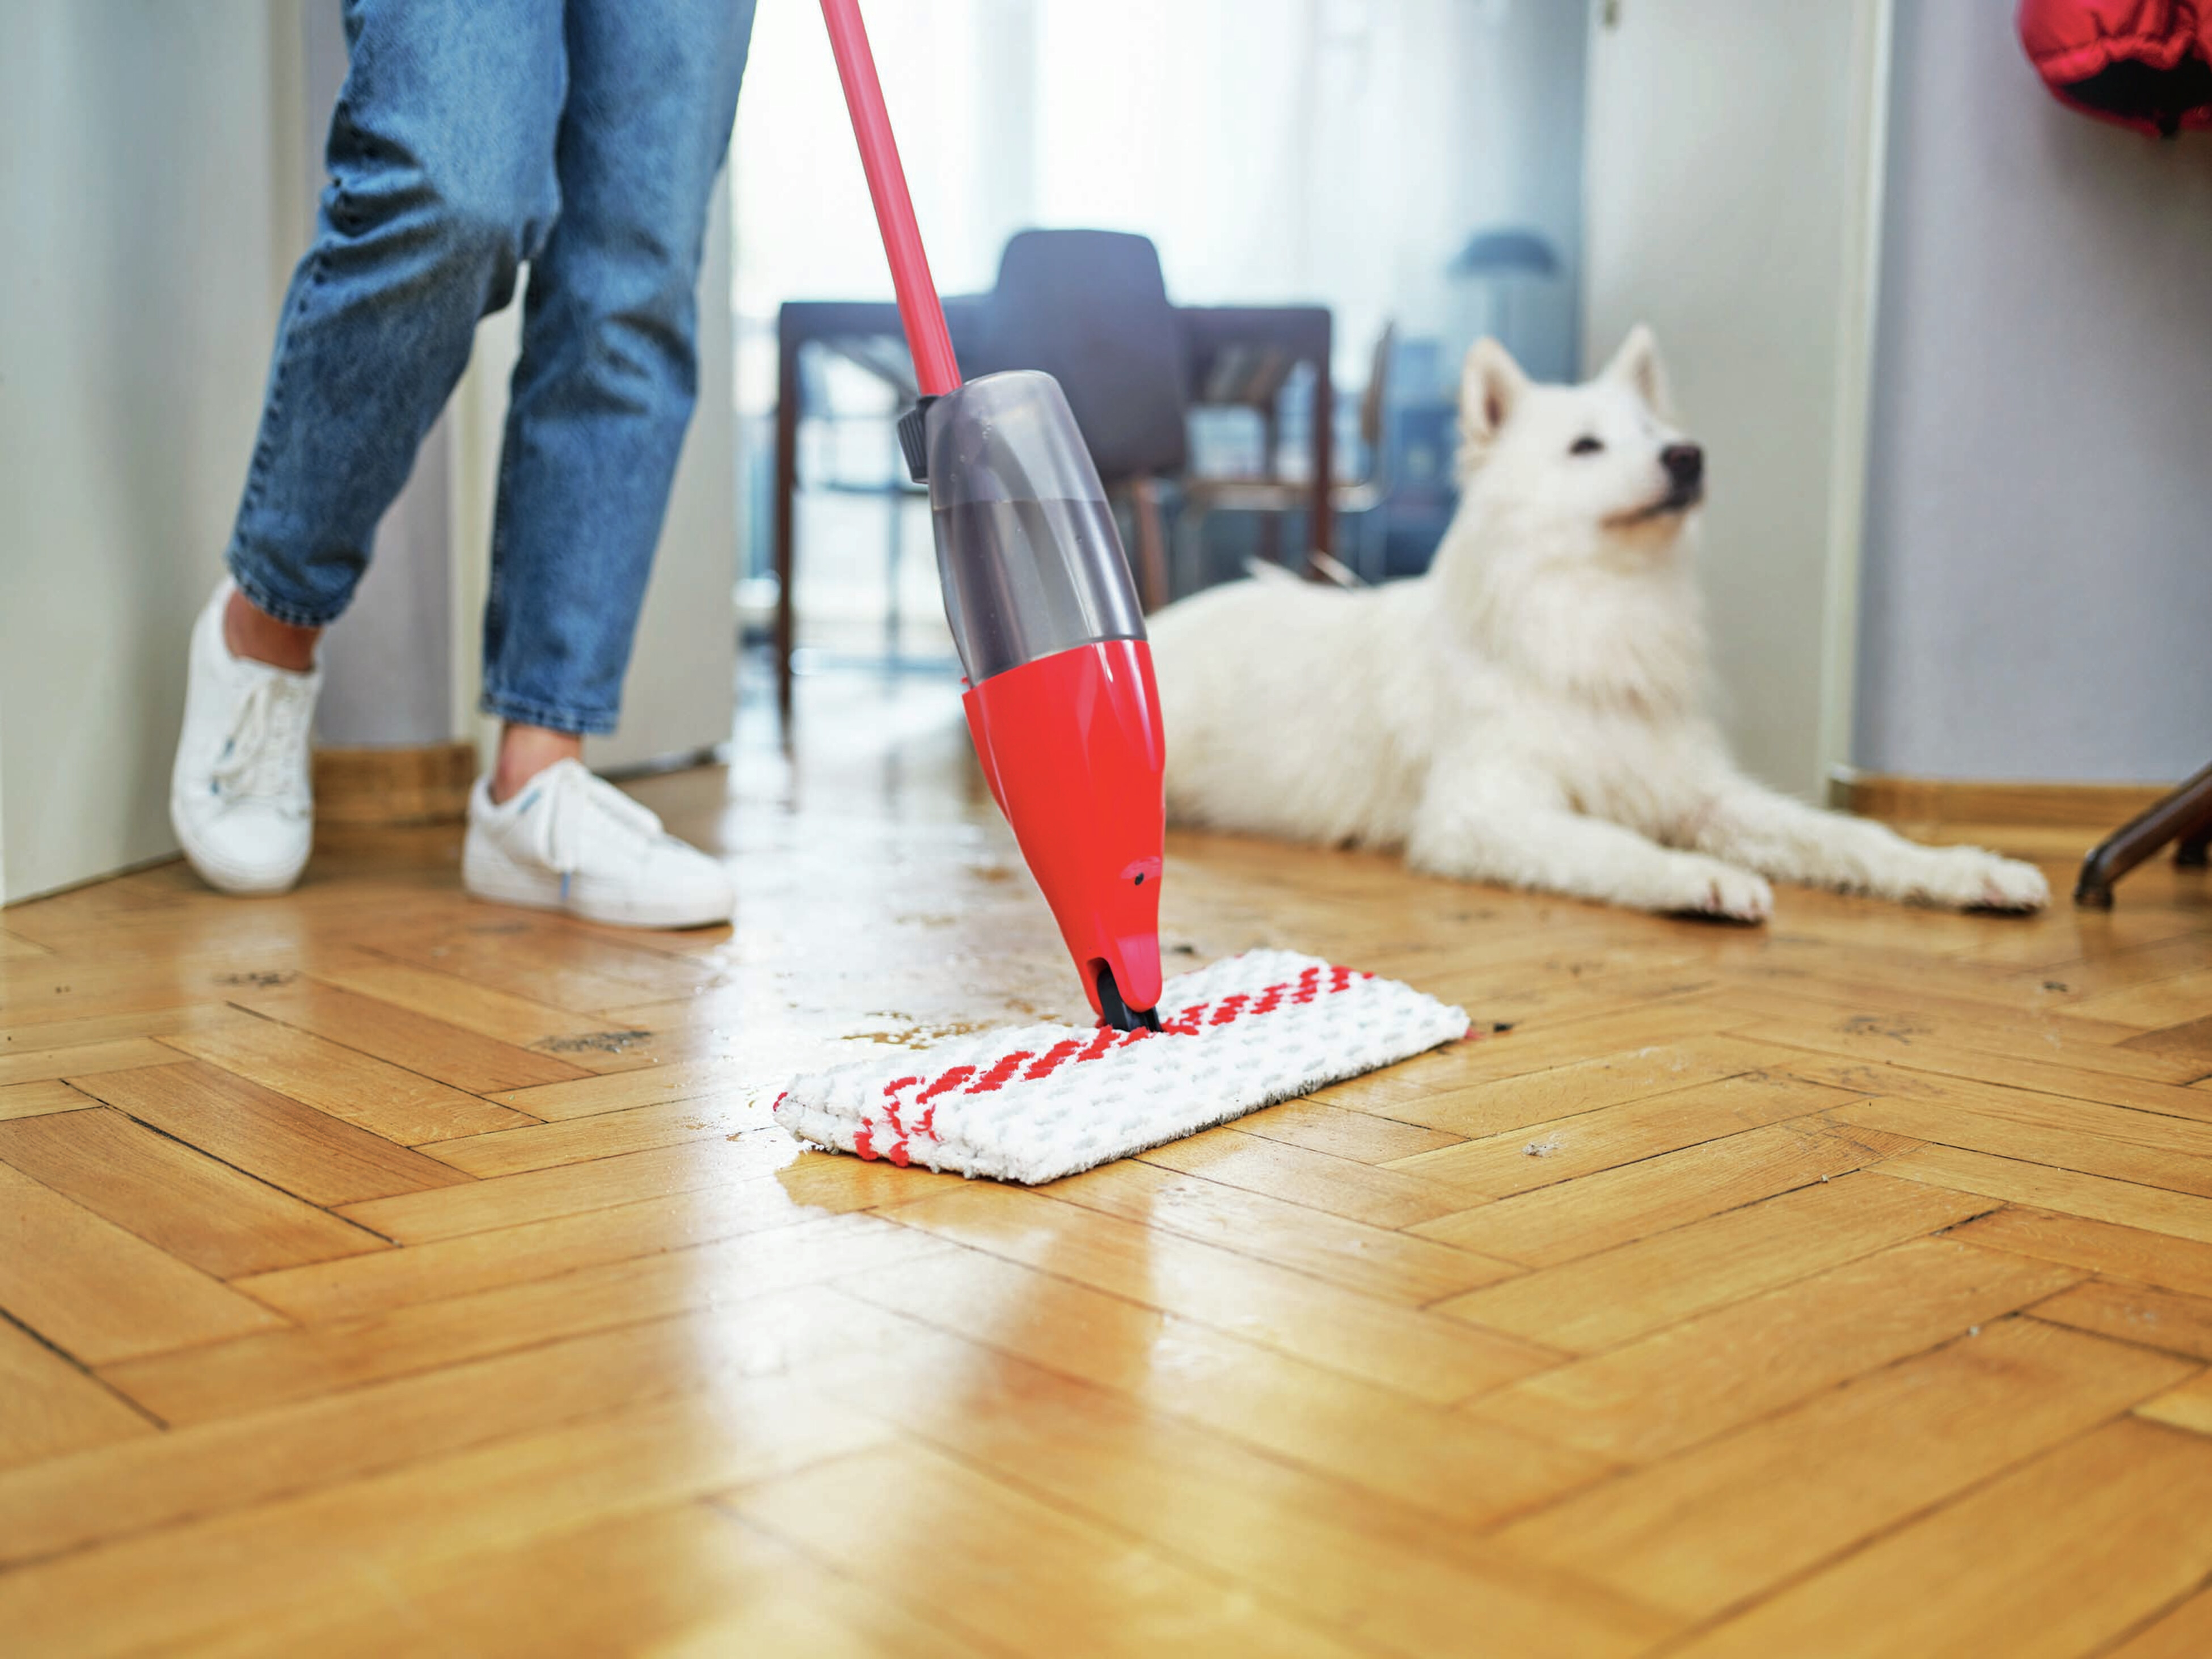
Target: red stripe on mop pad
(1045, 1101)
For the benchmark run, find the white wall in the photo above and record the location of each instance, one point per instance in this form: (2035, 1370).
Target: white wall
(1728, 200)
(145, 264)
(2039, 555)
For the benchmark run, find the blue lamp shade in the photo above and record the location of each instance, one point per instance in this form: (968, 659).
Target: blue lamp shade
(1509, 251)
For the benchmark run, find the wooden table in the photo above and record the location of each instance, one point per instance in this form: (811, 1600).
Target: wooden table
(1237, 355)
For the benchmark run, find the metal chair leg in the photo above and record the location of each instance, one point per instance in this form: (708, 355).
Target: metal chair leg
(2184, 816)
(1187, 551)
(1151, 560)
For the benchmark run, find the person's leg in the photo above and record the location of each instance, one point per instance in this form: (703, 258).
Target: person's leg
(442, 180)
(605, 388)
(601, 400)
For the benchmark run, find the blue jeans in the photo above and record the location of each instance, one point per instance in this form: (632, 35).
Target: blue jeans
(583, 138)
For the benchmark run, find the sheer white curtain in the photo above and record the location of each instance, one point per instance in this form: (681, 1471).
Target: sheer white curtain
(1333, 150)
(805, 228)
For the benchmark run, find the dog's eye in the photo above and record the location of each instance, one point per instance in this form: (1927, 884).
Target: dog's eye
(1585, 445)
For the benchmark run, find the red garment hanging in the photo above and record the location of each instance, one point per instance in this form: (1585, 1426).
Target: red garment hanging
(2143, 64)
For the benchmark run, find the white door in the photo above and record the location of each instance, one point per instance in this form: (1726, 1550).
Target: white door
(1731, 198)
(144, 206)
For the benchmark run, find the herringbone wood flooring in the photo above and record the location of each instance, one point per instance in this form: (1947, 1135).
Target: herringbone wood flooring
(388, 1273)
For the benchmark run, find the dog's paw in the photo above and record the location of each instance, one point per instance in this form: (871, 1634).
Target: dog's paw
(1707, 887)
(1969, 878)
(2010, 885)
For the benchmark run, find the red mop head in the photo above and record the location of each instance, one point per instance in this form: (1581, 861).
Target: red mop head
(1034, 1104)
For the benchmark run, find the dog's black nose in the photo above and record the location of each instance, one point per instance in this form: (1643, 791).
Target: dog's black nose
(1685, 465)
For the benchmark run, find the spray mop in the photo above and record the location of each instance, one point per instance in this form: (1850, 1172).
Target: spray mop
(1065, 715)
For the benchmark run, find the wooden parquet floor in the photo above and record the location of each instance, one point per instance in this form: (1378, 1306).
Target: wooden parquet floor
(388, 1273)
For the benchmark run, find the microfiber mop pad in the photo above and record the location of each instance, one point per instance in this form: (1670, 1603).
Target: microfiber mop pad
(1037, 1102)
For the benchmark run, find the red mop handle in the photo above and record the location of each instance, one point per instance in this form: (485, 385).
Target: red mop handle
(926, 337)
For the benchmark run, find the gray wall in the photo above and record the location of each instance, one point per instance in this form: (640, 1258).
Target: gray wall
(2038, 594)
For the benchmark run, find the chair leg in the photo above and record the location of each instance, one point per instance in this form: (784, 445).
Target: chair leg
(2184, 816)
(786, 515)
(1187, 548)
(1151, 544)
(1370, 561)
(894, 556)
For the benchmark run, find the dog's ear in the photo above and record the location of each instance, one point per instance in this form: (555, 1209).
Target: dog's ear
(1489, 386)
(1637, 365)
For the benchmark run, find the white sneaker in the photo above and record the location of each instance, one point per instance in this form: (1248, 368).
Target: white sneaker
(567, 841)
(239, 796)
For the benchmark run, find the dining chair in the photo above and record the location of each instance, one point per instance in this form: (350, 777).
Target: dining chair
(1090, 308)
(1358, 497)
(2182, 820)
(877, 474)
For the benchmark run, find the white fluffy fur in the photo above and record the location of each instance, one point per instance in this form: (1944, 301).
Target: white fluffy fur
(1532, 711)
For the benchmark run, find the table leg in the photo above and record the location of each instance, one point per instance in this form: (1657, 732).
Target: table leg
(1270, 532)
(1151, 572)
(787, 348)
(1320, 530)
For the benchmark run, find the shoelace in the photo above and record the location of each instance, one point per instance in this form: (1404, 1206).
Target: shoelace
(573, 798)
(260, 761)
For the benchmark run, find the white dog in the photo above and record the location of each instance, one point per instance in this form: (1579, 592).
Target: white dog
(1532, 710)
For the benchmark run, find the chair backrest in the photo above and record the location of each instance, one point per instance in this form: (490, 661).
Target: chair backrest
(1090, 308)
